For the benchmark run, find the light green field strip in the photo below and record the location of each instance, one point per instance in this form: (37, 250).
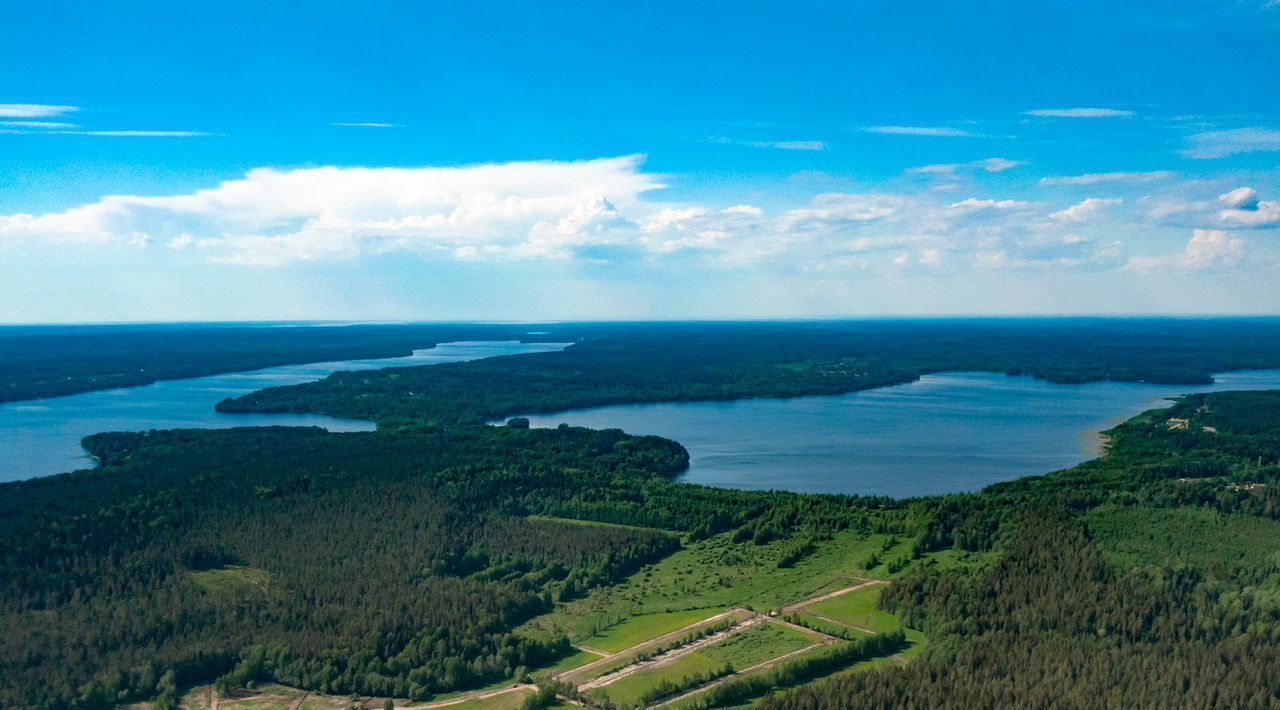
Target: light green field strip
(856, 610)
(642, 628)
(650, 643)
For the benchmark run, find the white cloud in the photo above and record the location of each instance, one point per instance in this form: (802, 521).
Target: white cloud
(987, 165)
(34, 110)
(928, 131)
(1221, 144)
(1101, 178)
(972, 205)
(606, 211)
(1085, 210)
(671, 218)
(1240, 198)
(1244, 209)
(275, 217)
(137, 134)
(1083, 112)
(804, 145)
(37, 124)
(1209, 249)
(368, 124)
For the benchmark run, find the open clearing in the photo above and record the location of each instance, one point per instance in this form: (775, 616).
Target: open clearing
(856, 610)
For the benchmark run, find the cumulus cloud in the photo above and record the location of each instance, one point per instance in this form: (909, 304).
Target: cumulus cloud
(1209, 249)
(1085, 210)
(276, 217)
(608, 211)
(1241, 198)
(1245, 209)
(1241, 207)
(1083, 112)
(1221, 144)
(928, 131)
(1103, 178)
(35, 110)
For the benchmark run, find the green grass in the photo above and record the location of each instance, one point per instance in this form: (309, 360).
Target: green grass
(918, 642)
(237, 579)
(506, 701)
(639, 629)
(628, 691)
(577, 659)
(719, 574)
(857, 609)
(827, 627)
(757, 645)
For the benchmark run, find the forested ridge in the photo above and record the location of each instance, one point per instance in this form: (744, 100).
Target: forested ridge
(719, 361)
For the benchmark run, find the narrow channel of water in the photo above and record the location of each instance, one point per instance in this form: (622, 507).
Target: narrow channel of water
(42, 437)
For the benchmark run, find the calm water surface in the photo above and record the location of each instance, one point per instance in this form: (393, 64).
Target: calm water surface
(42, 437)
(945, 433)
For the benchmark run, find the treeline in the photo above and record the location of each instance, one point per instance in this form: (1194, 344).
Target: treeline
(669, 362)
(51, 361)
(389, 564)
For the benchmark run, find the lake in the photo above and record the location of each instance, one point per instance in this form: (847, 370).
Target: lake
(42, 437)
(945, 433)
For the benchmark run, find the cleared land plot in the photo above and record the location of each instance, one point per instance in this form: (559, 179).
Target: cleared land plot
(639, 629)
(233, 579)
(574, 660)
(630, 655)
(751, 647)
(759, 644)
(629, 691)
(856, 610)
(718, 573)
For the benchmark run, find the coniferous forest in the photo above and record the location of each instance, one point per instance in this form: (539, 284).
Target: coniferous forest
(404, 562)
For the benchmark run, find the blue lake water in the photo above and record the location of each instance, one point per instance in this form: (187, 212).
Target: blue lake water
(946, 433)
(42, 437)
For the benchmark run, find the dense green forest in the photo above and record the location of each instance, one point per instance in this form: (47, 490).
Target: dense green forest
(642, 363)
(673, 360)
(403, 562)
(50, 361)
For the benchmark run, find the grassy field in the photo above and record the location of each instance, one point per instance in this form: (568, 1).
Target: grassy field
(717, 574)
(740, 651)
(857, 609)
(571, 661)
(506, 701)
(629, 691)
(235, 579)
(757, 645)
(639, 629)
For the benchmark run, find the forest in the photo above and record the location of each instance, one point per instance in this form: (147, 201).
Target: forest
(618, 364)
(51, 361)
(409, 562)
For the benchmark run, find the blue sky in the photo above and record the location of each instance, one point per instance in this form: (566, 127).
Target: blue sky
(180, 161)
